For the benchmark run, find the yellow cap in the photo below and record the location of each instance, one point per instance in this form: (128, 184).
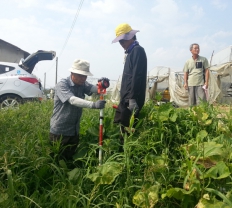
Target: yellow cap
(122, 29)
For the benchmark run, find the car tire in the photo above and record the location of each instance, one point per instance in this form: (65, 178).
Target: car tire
(10, 101)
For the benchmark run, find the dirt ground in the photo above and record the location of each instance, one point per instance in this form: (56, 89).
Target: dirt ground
(223, 108)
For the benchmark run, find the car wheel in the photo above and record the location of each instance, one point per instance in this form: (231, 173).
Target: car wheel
(10, 101)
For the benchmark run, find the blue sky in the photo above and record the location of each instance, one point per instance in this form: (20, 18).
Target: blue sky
(167, 28)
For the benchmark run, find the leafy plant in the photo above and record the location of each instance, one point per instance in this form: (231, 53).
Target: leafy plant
(174, 157)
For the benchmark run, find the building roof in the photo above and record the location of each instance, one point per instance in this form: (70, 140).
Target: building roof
(15, 47)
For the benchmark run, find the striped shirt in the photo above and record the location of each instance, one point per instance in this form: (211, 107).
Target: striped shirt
(65, 119)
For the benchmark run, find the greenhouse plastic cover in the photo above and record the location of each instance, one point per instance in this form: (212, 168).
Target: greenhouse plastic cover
(221, 67)
(158, 74)
(221, 57)
(179, 95)
(176, 86)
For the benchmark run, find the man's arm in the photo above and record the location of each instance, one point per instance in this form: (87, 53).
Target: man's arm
(186, 80)
(139, 71)
(206, 78)
(81, 103)
(93, 89)
(206, 67)
(186, 74)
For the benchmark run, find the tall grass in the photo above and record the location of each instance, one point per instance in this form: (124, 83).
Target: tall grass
(174, 158)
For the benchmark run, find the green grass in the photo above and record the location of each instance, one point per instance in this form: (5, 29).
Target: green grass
(175, 158)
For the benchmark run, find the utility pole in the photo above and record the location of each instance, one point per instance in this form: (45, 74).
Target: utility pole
(56, 68)
(44, 80)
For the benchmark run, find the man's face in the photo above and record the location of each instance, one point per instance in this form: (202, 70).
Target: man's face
(126, 43)
(195, 50)
(78, 79)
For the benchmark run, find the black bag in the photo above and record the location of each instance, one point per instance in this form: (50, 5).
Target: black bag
(199, 64)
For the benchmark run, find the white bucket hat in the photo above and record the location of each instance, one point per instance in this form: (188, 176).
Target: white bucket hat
(81, 67)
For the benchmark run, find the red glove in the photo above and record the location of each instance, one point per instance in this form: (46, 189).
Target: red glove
(115, 106)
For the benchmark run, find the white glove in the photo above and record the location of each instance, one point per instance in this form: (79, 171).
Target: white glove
(100, 104)
(133, 106)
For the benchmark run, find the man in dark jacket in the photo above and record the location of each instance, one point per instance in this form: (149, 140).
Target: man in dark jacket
(134, 79)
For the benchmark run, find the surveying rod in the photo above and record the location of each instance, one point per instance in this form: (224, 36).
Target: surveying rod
(103, 83)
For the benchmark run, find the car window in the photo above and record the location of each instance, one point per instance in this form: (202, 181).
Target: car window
(5, 68)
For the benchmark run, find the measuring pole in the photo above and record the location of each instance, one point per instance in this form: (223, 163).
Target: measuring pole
(103, 83)
(101, 131)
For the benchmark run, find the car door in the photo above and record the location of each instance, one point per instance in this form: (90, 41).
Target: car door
(4, 69)
(29, 63)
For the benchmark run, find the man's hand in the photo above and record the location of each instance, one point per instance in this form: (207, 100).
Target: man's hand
(206, 85)
(186, 86)
(133, 106)
(100, 104)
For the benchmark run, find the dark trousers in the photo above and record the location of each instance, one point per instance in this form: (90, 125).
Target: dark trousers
(68, 145)
(196, 94)
(123, 116)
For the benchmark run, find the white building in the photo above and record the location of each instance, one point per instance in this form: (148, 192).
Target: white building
(11, 53)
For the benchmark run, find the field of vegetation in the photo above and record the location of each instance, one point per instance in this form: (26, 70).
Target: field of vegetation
(174, 158)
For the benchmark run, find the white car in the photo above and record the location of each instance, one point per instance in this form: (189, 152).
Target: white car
(17, 84)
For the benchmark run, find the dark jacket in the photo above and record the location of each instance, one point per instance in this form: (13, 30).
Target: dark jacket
(134, 77)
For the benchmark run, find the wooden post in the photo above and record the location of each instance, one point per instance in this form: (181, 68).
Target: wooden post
(44, 80)
(56, 68)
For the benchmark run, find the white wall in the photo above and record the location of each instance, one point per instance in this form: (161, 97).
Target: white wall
(9, 53)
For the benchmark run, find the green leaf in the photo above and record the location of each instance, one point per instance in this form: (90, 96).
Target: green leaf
(106, 173)
(202, 134)
(208, 122)
(93, 131)
(222, 127)
(177, 193)
(208, 149)
(222, 196)
(229, 195)
(204, 203)
(212, 148)
(152, 159)
(62, 164)
(219, 171)
(146, 197)
(173, 117)
(158, 96)
(204, 116)
(74, 174)
(164, 112)
(3, 197)
(163, 118)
